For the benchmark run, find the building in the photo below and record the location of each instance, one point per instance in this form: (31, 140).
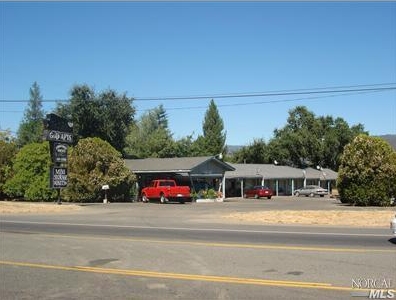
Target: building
(197, 172)
(283, 180)
(229, 179)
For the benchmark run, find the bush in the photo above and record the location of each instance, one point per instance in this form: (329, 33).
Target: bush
(205, 194)
(30, 174)
(367, 174)
(8, 150)
(92, 164)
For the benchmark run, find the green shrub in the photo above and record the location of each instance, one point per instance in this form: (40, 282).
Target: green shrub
(205, 194)
(8, 150)
(367, 174)
(30, 174)
(92, 164)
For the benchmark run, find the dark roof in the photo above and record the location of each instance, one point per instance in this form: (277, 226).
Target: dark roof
(212, 166)
(173, 165)
(270, 171)
(321, 174)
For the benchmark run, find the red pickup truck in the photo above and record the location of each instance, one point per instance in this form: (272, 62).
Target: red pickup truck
(166, 190)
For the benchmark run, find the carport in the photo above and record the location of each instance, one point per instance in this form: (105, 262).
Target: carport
(190, 171)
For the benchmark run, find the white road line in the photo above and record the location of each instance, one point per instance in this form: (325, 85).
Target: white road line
(198, 229)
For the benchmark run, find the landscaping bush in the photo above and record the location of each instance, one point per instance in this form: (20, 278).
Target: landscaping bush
(92, 164)
(367, 174)
(30, 174)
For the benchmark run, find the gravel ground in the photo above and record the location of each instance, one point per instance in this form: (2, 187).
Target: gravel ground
(377, 218)
(11, 207)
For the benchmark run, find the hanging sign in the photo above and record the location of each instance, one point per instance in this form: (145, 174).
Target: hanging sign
(59, 152)
(58, 177)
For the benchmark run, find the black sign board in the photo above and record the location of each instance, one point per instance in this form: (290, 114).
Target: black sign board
(59, 152)
(58, 177)
(55, 122)
(58, 136)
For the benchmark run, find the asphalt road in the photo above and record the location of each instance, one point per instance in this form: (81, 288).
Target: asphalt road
(152, 251)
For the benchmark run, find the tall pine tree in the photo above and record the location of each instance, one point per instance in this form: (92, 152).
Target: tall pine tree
(212, 142)
(31, 128)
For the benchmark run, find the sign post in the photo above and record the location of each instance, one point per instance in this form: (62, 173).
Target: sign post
(59, 132)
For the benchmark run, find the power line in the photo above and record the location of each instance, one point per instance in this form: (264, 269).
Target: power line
(323, 90)
(268, 94)
(348, 93)
(273, 101)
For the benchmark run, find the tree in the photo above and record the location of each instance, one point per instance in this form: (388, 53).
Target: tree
(301, 137)
(92, 164)
(107, 115)
(30, 174)
(151, 137)
(254, 153)
(8, 150)
(117, 114)
(161, 116)
(184, 147)
(307, 140)
(212, 142)
(31, 128)
(367, 174)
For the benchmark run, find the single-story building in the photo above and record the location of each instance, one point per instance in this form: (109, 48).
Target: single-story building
(196, 172)
(228, 178)
(284, 180)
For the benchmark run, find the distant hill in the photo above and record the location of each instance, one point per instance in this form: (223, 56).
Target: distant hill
(390, 138)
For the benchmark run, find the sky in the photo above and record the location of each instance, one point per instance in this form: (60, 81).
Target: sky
(153, 51)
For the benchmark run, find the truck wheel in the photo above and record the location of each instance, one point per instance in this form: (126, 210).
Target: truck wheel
(162, 199)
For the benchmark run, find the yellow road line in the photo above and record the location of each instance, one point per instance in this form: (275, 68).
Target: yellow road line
(223, 245)
(181, 276)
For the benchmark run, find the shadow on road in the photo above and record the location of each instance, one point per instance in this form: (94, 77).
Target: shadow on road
(392, 240)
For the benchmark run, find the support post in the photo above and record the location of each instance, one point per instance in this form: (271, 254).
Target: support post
(292, 187)
(223, 187)
(59, 202)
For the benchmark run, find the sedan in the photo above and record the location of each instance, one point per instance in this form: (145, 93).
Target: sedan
(258, 192)
(311, 191)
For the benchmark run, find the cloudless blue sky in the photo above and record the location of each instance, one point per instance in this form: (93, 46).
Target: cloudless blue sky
(165, 49)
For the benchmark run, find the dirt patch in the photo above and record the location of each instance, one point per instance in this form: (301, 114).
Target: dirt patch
(377, 218)
(8, 207)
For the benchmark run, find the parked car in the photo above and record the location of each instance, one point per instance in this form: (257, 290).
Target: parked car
(258, 191)
(311, 191)
(166, 190)
(393, 225)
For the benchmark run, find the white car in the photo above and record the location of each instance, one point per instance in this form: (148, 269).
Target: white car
(393, 225)
(311, 191)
